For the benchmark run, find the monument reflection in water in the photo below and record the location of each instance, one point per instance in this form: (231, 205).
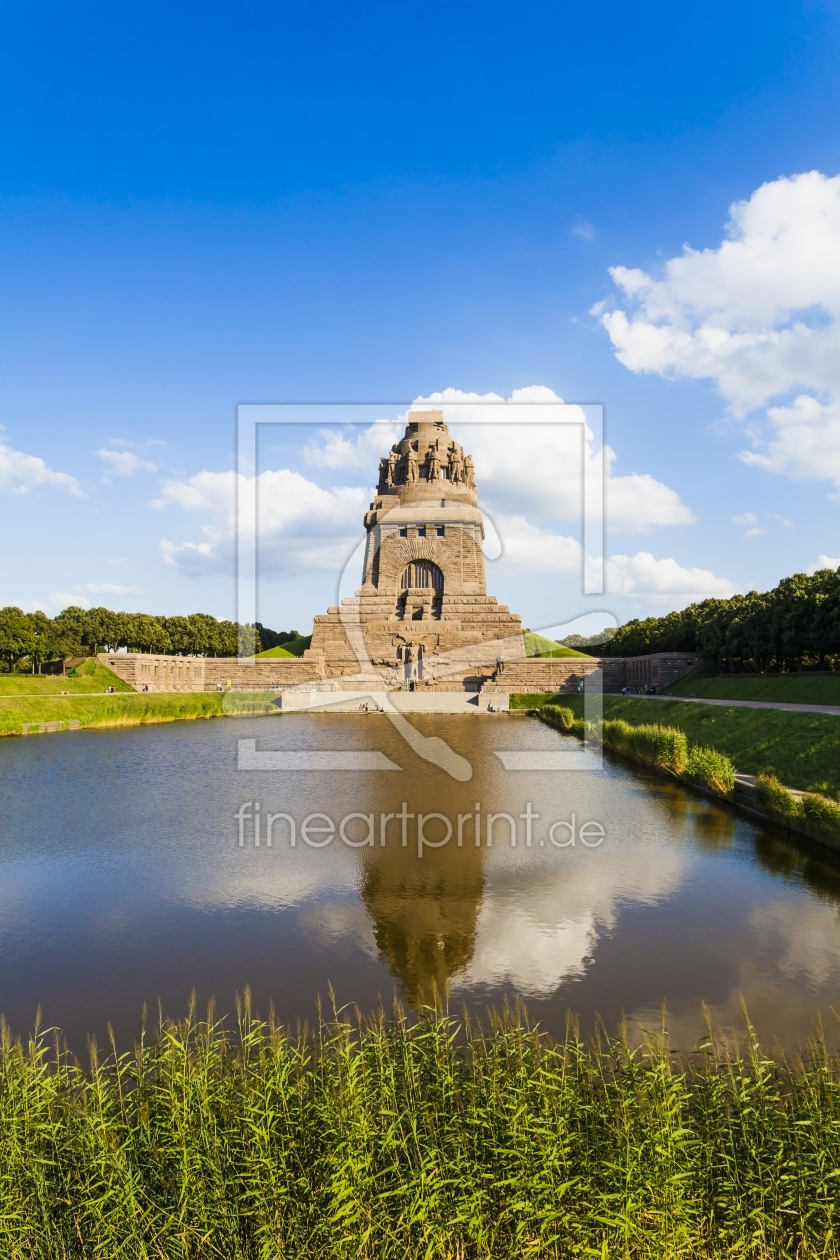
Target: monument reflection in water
(125, 884)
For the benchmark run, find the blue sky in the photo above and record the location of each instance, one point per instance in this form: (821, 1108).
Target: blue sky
(201, 206)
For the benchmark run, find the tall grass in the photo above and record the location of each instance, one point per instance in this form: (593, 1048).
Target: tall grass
(426, 1139)
(816, 815)
(801, 749)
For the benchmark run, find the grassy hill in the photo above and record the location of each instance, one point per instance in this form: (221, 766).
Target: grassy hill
(538, 645)
(89, 676)
(781, 688)
(295, 647)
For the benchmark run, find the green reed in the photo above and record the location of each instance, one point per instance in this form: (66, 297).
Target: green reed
(421, 1138)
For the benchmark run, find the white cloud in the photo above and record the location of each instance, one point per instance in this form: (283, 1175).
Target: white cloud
(663, 580)
(20, 472)
(364, 450)
(522, 467)
(747, 518)
(584, 230)
(806, 443)
(110, 588)
(125, 463)
(528, 549)
(80, 595)
(824, 562)
(301, 527)
(524, 471)
(759, 315)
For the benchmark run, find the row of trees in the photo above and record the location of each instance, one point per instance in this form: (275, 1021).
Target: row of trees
(34, 638)
(794, 626)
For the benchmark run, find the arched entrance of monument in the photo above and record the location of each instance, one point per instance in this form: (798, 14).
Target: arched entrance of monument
(420, 594)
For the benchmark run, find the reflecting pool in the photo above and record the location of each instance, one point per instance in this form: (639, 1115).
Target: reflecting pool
(130, 875)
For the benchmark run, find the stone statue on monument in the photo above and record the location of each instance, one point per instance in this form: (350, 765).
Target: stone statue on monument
(469, 472)
(411, 465)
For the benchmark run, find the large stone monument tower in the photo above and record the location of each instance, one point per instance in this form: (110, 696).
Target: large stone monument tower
(422, 613)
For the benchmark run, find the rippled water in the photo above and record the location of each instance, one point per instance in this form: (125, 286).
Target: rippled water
(122, 882)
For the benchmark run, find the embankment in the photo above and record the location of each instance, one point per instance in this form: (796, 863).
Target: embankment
(800, 749)
(668, 751)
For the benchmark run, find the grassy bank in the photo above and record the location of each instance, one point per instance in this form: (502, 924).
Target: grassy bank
(87, 677)
(778, 688)
(134, 709)
(391, 1140)
(800, 749)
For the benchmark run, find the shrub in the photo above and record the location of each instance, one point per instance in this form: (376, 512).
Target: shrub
(823, 814)
(658, 746)
(711, 769)
(776, 799)
(560, 716)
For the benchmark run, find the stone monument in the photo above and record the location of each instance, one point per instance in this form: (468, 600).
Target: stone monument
(422, 615)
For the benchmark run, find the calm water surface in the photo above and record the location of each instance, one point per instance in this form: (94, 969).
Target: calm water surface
(122, 882)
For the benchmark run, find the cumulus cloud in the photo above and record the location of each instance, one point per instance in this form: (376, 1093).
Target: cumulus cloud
(80, 595)
(354, 449)
(20, 473)
(824, 562)
(759, 315)
(664, 580)
(300, 526)
(125, 463)
(526, 548)
(531, 452)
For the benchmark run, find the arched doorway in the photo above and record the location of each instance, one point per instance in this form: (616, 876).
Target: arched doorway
(420, 591)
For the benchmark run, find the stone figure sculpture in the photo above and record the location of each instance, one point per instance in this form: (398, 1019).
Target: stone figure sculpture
(469, 472)
(434, 464)
(456, 466)
(411, 465)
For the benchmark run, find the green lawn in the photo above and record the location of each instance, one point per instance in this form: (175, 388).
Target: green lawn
(538, 645)
(295, 647)
(801, 749)
(86, 677)
(133, 709)
(784, 688)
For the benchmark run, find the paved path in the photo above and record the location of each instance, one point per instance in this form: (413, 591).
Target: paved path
(834, 709)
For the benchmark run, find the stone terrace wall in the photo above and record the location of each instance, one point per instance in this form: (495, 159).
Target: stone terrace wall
(542, 674)
(207, 673)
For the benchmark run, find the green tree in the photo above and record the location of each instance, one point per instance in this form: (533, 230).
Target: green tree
(41, 628)
(144, 633)
(17, 637)
(69, 631)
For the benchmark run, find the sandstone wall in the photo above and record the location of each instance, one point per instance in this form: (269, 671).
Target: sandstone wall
(207, 673)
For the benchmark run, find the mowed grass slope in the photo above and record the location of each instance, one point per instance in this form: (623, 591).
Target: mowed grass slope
(295, 647)
(538, 645)
(132, 709)
(89, 676)
(777, 688)
(800, 749)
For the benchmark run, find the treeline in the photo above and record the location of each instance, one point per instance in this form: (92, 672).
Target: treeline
(794, 626)
(30, 640)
